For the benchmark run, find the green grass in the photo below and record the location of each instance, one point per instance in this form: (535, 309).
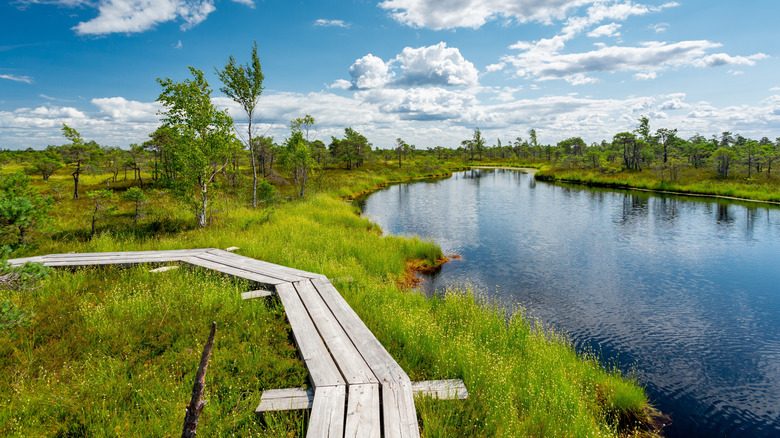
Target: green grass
(690, 181)
(117, 349)
(112, 351)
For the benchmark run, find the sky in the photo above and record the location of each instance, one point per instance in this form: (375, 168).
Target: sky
(427, 71)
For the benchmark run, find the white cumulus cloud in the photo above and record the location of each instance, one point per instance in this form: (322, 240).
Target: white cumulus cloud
(133, 16)
(607, 30)
(646, 76)
(543, 61)
(448, 14)
(495, 67)
(436, 65)
(719, 59)
(370, 72)
(121, 109)
(432, 103)
(675, 102)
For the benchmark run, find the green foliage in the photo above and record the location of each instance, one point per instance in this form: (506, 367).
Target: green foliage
(296, 157)
(244, 84)
(12, 316)
(46, 164)
(723, 158)
(102, 207)
(303, 124)
(83, 155)
(26, 276)
(201, 139)
(352, 150)
(22, 208)
(137, 196)
(265, 191)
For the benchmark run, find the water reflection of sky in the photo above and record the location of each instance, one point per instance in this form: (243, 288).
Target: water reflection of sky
(686, 289)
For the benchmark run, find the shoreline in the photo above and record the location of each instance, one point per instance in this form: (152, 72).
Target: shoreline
(624, 186)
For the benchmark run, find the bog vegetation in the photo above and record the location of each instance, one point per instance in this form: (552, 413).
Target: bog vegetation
(113, 351)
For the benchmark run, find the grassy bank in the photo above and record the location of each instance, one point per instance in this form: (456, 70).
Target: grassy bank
(117, 349)
(690, 181)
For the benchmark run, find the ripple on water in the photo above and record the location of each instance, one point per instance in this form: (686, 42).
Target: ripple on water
(681, 291)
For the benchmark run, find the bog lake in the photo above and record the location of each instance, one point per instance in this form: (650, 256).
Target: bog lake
(681, 292)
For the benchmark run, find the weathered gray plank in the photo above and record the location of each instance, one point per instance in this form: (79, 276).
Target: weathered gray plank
(400, 418)
(351, 363)
(161, 253)
(319, 362)
(256, 294)
(247, 263)
(267, 265)
(285, 400)
(327, 412)
(363, 419)
(67, 260)
(453, 389)
(377, 357)
(23, 260)
(259, 278)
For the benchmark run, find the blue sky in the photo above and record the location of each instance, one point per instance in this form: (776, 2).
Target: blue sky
(427, 71)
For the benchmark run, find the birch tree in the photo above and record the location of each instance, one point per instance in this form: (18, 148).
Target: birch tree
(201, 138)
(244, 84)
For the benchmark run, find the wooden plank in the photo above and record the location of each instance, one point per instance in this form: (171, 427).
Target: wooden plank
(197, 261)
(161, 253)
(319, 362)
(379, 360)
(351, 363)
(327, 412)
(78, 259)
(400, 418)
(453, 389)
(232, 248)
(285, 400)
(108, 260)
(363, 418)
(164, 268)
(240, 262)
(267, 265)
(256, 294)
(21, 261)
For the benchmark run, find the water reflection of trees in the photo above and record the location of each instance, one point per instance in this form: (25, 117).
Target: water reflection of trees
(634, 207)
(666, 209)
(723, 214)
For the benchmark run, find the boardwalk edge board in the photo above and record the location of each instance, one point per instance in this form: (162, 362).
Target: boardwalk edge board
(282, 399)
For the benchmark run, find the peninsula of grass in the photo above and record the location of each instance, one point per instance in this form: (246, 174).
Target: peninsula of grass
(111, 351)
(689, 182)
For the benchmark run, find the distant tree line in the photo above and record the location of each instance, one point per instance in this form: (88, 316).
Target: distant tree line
(198, 149)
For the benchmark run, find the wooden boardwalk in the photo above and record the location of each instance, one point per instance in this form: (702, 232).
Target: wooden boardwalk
(358, 390)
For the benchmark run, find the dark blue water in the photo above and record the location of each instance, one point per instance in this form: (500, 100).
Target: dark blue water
(683, 292)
